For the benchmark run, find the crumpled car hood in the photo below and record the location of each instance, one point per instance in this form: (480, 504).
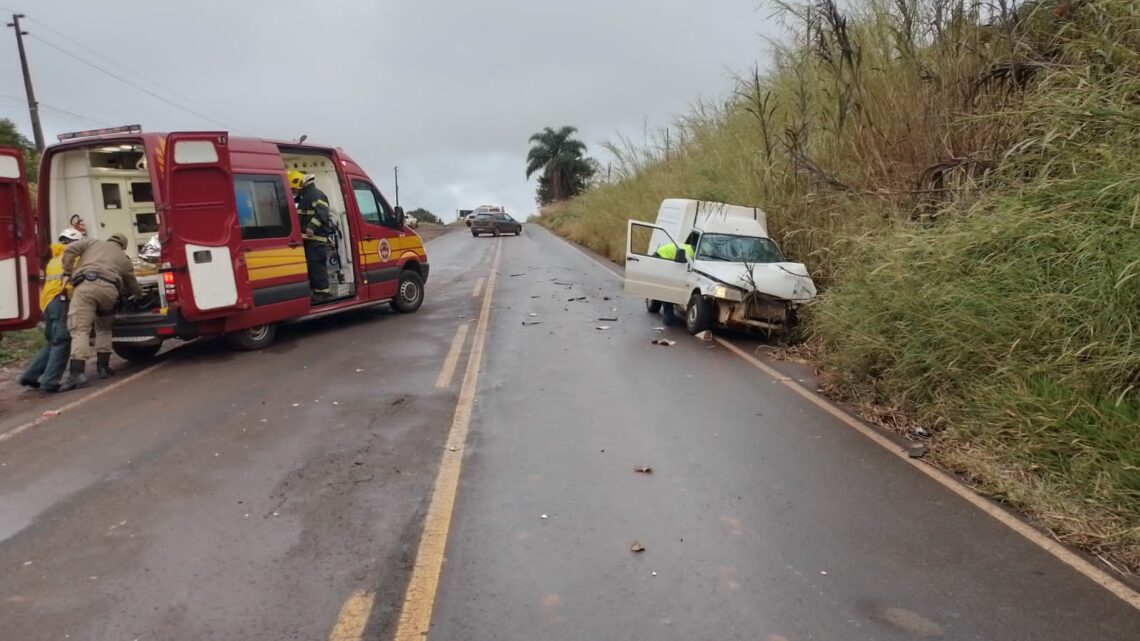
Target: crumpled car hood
(789, 281)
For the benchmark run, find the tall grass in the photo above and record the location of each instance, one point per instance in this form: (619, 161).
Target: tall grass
(964, 181)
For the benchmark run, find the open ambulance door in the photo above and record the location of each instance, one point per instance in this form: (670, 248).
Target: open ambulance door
(648, 275)
(19, 244)
(202, 226)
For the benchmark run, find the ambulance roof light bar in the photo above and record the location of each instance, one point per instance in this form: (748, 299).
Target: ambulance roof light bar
(126, 129)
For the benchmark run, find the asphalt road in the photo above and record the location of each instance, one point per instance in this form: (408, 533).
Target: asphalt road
(283, 494)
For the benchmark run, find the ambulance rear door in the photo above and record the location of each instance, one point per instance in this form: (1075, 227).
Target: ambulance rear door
(201, 220)
(19, 246)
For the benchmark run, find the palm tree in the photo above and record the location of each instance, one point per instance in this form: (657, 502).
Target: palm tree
(561, 158)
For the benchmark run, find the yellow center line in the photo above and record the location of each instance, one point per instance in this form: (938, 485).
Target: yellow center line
(452, 359)
(419, 599)
(353, 617)
(478, 288)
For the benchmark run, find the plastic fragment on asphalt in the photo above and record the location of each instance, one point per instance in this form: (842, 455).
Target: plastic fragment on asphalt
(452, 448)
(528, 323)
(532, 315)
(296, 405)
(643, 469)
(654, 574)
(705, 335)
(542, 517)
(658, 329)
(611, 319)
(51, 413)
(571, 300)
(358, 370)
(518, 274)
(602, 327)
(663, 341)
(637, 547)
(823, 572)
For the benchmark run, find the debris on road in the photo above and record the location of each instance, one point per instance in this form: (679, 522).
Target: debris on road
(358, 370)
(606, 298)
(916, 450)
(921, 432)
(532, 315)
(528, 323)
(612, 319)
(602, 327)
(452, 448)
(643, 469)
(654, 574)
(542, 517)
(637, 547)
(51, 413)
(663, 341)
(571, 300)
(658, 329)
(705, 335)
(518, 274)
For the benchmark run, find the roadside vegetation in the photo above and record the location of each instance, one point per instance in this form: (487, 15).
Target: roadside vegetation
(19, 347)
(963, 182)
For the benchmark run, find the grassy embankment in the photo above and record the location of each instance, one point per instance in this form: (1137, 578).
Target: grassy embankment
(966, 189)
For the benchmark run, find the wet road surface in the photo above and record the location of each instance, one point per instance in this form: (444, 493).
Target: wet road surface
(282, 494)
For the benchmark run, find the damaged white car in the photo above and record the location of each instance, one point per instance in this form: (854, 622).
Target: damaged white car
(714, 264)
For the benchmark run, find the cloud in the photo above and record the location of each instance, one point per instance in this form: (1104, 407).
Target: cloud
(448, 90)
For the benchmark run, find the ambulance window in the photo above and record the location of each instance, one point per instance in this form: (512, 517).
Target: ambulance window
(263, 211)
(366, 201)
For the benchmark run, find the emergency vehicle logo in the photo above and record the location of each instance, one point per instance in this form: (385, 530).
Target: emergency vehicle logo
(385, 250)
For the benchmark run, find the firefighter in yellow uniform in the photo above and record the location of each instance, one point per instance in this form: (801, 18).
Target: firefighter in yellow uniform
(103, 273)
(313, 212)
(47, 367)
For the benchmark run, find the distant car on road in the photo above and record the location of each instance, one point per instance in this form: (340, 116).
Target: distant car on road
(411, 221)
(496, 224)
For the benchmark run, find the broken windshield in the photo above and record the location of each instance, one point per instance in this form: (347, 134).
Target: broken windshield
(738, 249)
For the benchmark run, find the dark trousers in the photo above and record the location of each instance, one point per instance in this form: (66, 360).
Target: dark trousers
(317, 255)
(48, 365)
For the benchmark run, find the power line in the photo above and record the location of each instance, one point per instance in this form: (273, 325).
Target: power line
(58, 110)
(122, 67)
(129, 83)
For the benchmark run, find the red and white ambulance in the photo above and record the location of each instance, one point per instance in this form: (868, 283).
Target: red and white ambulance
(231, 259)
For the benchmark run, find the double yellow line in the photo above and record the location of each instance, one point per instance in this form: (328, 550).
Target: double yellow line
(419, 598)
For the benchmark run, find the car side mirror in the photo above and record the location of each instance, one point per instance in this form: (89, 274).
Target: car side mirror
(401, 218)
(681, 256)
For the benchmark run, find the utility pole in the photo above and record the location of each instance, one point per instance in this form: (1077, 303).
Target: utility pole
(33, 106)
(396, 172)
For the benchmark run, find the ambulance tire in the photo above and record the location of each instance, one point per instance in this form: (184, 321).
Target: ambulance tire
(137, 352)
(409, 292)
(252, 338)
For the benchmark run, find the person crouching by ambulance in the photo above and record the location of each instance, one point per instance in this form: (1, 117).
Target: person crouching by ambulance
(313, 211)
(101, 276)
(47, 367)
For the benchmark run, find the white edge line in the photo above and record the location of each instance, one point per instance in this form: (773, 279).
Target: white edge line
(50, 414)
(1019, 526)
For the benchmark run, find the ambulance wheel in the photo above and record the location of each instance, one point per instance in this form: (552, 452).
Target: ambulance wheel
(652, 306)
(698, 316)
(409, 292)
(252, 338)
(137, 352)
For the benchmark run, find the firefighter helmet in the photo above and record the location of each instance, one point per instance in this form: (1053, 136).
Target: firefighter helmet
(296, 179)
(70, 235)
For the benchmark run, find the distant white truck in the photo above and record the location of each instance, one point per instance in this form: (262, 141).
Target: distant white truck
(736, 276)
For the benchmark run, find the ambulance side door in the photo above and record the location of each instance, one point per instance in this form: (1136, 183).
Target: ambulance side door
(379, 241)
(19, 245)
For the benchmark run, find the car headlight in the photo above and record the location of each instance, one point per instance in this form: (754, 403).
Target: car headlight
(720, 291)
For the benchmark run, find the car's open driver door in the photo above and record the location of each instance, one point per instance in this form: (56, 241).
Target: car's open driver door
(648, 275)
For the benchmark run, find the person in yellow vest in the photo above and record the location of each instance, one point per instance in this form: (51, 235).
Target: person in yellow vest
(668, 251)
(46, 369)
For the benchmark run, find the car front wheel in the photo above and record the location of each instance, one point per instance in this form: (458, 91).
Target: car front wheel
(698, 316)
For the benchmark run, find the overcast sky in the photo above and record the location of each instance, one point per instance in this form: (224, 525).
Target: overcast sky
(449, 90)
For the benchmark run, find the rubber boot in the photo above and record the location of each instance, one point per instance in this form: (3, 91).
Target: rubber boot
(76, 377)
(103, 365)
